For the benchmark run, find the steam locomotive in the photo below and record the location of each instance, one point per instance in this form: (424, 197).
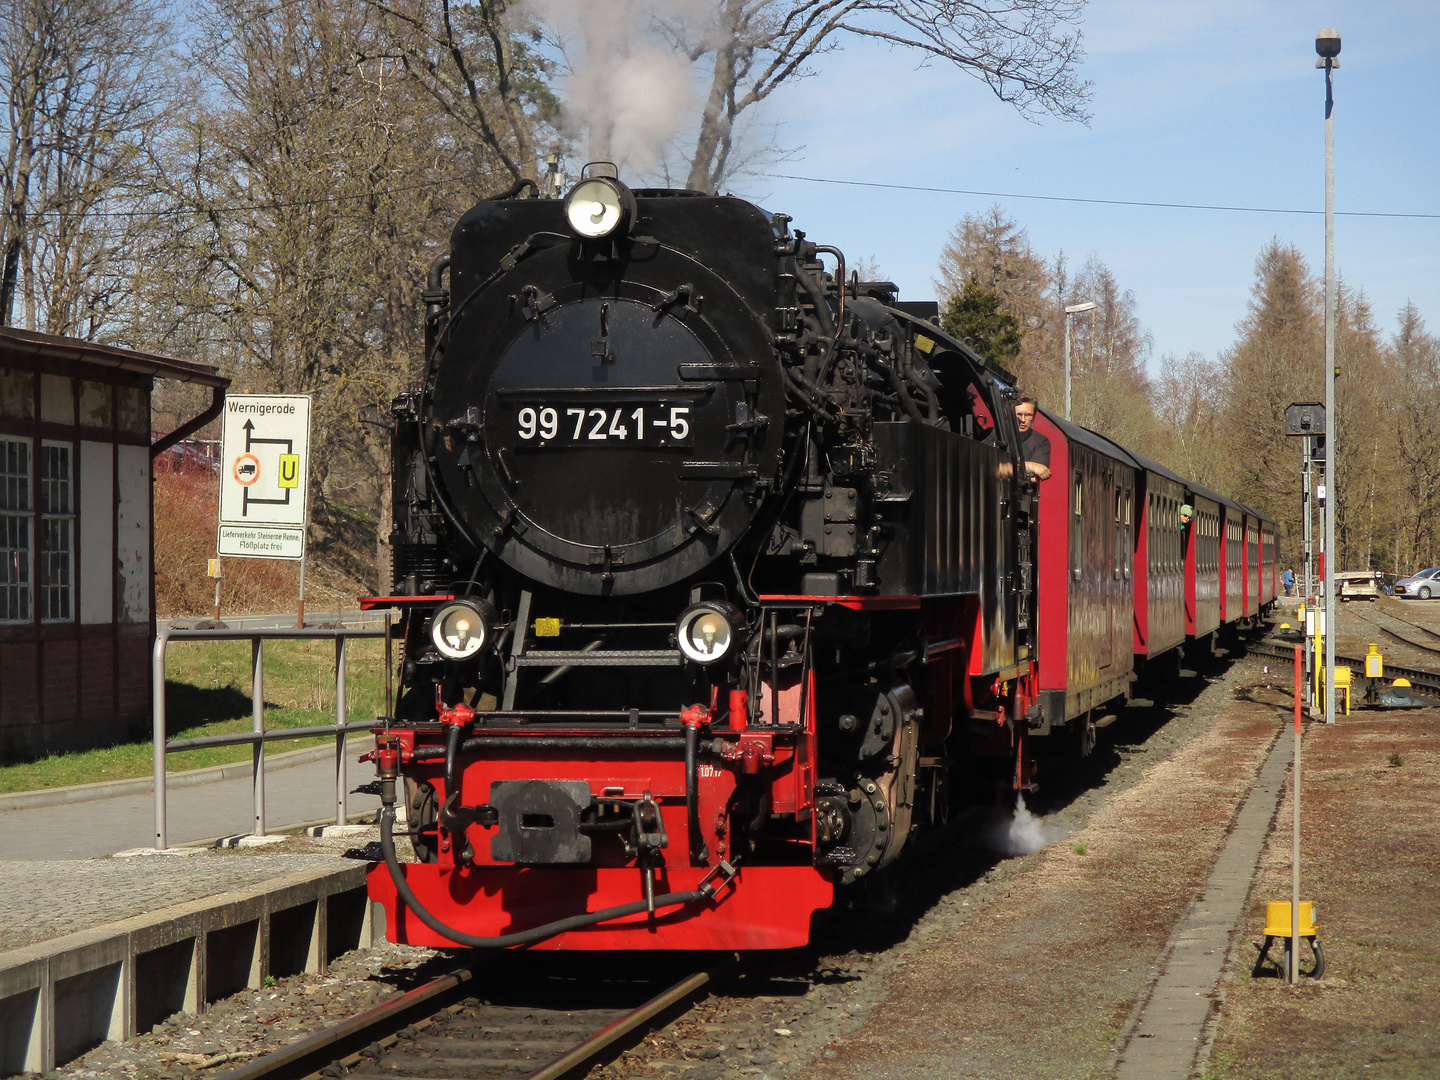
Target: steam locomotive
(717, 573)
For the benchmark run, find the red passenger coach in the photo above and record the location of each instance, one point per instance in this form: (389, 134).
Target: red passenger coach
(1232, 563)
(1203, 565)
(1252, 564)
(1161, 612)
(1087, 580)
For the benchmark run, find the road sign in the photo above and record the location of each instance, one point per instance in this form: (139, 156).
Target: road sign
(264, 457)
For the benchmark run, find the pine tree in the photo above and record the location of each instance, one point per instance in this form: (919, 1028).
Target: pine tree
(973, 315)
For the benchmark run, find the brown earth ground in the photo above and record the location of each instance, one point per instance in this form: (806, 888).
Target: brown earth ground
(1370, 852)
(1044, 979)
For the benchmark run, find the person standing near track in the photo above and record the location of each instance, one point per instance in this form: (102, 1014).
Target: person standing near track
(1288, 580)
(1033, 445)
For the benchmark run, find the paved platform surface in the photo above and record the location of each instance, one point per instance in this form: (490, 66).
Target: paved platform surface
(99, 827)
(48, 899)
(58, 879)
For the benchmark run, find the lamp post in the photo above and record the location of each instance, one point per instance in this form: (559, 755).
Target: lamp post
(1072, 309)
(1327, 45)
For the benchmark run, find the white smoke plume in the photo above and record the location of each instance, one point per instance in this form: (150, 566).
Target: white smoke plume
(629, 89)
(1021, 833)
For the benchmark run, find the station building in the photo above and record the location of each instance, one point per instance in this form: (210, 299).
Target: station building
(77, 595)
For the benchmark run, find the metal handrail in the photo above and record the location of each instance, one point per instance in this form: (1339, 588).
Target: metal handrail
(258, 736)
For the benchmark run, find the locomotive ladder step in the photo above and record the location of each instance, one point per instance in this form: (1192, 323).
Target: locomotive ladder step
(600, 658)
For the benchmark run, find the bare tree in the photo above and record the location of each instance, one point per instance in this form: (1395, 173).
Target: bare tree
(83, 84)
(1189, 401)
(306, 197)
(1026, 51)
(1414, 363)
(1108, 354)
(474, 61)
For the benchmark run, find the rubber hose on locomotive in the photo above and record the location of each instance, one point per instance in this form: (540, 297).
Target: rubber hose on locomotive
(698, 851)
(452, 761)
(514, 189)
(823, 315)
(898, 385)
(523, 937)
(806, 390)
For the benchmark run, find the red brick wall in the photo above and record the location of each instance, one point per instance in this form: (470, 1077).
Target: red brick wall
(97, 685)
(19, 703)
(133, 676)
(61, 687)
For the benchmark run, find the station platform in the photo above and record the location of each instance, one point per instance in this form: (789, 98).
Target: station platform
(101, 936)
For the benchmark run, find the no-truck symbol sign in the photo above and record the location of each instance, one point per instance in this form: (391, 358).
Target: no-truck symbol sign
(247, 469)
(265, 446)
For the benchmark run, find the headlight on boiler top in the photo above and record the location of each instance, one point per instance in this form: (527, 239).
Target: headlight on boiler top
(706, 632)
(462, 628)
(598, 207)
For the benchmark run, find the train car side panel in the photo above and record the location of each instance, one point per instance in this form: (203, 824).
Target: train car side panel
(1202, 569)
(1164, 597)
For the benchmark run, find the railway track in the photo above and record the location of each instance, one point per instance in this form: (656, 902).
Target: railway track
(497, 1018)
(1420, 678)
(1371, 618)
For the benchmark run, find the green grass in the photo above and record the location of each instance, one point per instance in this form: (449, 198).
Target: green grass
(207, 692)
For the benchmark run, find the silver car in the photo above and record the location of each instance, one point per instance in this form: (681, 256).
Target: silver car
(1425, 584)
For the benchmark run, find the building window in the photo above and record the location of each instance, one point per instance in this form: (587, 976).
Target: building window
(15, 519)
(57, 523)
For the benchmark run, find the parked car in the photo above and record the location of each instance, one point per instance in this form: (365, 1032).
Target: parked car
(1359, 585)
(1424, 585)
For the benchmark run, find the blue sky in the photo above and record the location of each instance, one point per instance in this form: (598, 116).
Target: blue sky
(1213, 102)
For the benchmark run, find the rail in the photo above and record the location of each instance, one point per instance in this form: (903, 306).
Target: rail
(259, 735)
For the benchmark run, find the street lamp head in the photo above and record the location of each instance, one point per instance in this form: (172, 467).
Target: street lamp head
(1075, 309)
(1327, 44)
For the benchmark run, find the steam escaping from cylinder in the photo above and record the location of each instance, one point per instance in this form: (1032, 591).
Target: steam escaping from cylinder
(1021, 832)
(630, 88)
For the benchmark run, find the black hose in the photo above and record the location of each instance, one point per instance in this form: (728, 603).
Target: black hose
(513, 190)
(806, 390)
(452, 761)
(523, 937)
(698, 851)
(898, 385)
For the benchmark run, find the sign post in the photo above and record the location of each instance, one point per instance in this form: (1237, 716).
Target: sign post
(264, 478)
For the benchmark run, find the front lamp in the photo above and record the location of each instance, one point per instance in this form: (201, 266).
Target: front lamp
(462, 628)
(599, 207)
(707, 631)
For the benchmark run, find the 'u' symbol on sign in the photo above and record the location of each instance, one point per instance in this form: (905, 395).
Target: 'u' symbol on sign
(289, 471)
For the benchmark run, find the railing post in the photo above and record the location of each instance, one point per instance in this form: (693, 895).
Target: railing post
(157, 720)
(257, 724)
(341, 781)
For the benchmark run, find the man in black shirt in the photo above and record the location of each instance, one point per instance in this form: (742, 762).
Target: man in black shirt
(1033, 445)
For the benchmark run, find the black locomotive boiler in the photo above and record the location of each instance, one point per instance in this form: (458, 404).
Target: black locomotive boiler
(715, 566)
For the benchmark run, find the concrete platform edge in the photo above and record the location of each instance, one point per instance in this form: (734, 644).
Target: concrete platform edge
(59, 998)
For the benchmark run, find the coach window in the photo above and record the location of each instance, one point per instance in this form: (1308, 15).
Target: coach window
(15, 518)
(57, 523)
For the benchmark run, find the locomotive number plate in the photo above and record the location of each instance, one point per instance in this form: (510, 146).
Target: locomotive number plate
(617, 426)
